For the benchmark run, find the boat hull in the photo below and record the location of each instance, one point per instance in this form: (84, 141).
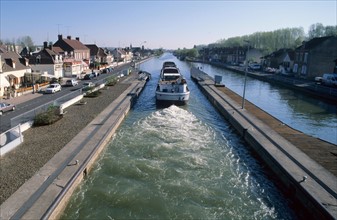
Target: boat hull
(175, 98)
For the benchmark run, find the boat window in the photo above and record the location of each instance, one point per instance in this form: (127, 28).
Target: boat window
(169, 78)
(170, 71)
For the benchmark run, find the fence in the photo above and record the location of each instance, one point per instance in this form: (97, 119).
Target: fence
(30, 115)
(10, 139)
(13, 137)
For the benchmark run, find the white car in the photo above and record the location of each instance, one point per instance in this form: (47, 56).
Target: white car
(71, 82)
(329, 79)
(52, 88)
(88, 86)
(255, 66)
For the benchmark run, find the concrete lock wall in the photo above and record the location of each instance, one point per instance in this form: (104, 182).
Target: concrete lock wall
(291, 166)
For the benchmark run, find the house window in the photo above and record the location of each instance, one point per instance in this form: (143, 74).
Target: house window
(304, 70)
(295, 68)
(38, 59)
(305, 58)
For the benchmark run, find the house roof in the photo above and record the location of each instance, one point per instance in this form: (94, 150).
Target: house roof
(93, 49)
(281, 53)
(121, 51)
(25, 52)
(58, 50)
(46, 56)
(307, 45)
(3, 49)
(68, 44)
(76, 45)
(10, 59)
(101, 52)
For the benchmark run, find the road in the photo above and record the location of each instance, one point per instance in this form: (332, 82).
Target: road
(40, 99)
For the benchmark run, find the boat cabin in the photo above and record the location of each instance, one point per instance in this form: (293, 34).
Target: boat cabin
(170, 74)
(169, 64)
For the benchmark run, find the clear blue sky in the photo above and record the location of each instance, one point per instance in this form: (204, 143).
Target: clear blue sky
(166, 24)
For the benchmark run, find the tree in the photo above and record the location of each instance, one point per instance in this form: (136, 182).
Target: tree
(330, 31)
(25, 41)
(316, 30)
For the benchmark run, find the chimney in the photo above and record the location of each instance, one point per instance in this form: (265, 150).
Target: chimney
(51, 46)
(69, 37)
(77, 38)
(60, 36)
(45, 44)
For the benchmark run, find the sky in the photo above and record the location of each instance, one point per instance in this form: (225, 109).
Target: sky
(156, 24)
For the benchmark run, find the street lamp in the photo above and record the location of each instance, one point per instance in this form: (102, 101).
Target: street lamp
(246, 69)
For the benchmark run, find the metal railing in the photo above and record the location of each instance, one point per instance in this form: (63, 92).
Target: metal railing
(30, 115)
(10, 139)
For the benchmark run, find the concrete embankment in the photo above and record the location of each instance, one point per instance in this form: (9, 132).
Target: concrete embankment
(303, 179)
(46, 194)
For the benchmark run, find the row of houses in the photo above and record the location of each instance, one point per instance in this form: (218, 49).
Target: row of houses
(311, 59)
(67, 57)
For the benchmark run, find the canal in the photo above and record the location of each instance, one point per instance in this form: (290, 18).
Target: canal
(184, 162)
(311, 116)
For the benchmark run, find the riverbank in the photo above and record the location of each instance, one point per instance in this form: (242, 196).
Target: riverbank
(304, 166)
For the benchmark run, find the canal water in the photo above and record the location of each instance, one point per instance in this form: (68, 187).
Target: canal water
(177, 163)
(311, 116)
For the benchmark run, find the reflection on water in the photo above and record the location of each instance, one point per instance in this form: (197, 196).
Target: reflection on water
(177, 163)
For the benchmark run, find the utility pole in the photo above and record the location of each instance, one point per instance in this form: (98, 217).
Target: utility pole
(246, 69)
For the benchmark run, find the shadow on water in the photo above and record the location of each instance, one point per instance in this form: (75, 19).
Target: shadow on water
(166, 104)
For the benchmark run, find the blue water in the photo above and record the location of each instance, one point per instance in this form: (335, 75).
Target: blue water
(311, 116)
(177, 163)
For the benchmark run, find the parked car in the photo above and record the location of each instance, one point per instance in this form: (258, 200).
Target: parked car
(329, 79)
(71, 82)
(318, 79)
(87, 86)
(95, 74)
(270, 70)
(88, 76)
(5, 107)
(107, 70)
(255, 66)
(52, 88)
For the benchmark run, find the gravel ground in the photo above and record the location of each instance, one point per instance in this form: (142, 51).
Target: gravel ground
(42, 143)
